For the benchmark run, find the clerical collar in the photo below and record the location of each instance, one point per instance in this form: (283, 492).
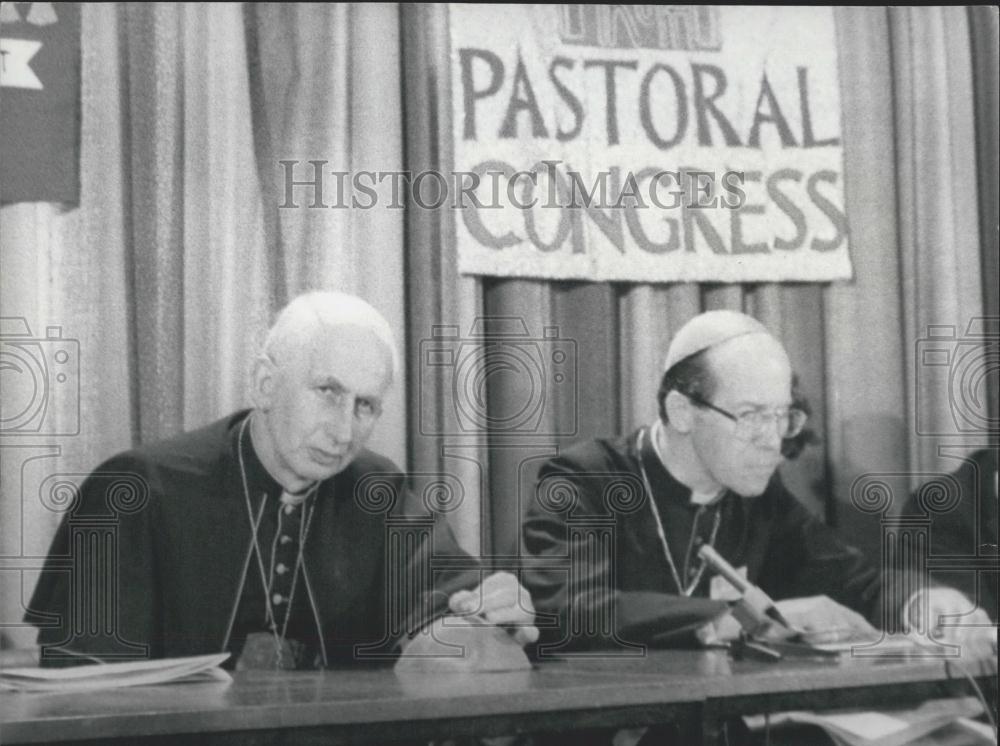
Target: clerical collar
(697, 498)
(705, 498)
(297, 498)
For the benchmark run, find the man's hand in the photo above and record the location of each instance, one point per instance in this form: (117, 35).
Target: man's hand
(822, 620)
(953, 619)
(500, 599)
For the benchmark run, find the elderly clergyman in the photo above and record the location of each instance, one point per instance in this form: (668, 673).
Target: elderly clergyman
(257, 534)
(704, 472)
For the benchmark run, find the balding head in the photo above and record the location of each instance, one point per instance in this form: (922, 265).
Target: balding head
(299, 321)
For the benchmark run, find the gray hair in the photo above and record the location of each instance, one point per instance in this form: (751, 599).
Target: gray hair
(327, 308)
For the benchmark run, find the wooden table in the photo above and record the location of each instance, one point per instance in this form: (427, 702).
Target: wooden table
(695, 689)
(729, 688)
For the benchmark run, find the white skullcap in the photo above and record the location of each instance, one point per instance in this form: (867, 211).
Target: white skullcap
(708, 330)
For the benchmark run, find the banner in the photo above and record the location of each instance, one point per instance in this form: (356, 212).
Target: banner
(647, 143)
(40, 102)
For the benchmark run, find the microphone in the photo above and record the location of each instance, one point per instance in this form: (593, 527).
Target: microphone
(752, 595)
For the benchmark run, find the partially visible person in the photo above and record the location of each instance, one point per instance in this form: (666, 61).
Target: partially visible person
(968, 529)
(265, 533)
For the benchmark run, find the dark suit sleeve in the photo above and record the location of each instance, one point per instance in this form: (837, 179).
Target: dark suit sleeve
(806, 557)
(97, 594)
(956, 538)
(572, 575)
(966, 529)
(428, 561)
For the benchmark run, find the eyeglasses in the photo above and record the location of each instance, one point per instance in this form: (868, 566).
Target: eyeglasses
(756, 424)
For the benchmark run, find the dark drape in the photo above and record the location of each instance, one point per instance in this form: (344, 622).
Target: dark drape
(983, 26)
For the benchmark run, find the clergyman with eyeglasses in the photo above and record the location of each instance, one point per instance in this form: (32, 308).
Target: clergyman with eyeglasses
(615, 525)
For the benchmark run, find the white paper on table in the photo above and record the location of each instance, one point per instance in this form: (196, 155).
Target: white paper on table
(870, 725)
(110, 675)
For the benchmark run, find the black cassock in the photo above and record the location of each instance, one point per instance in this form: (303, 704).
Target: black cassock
(168, 570)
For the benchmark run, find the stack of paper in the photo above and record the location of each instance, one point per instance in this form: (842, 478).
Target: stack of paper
(111, 675)
(892, 727)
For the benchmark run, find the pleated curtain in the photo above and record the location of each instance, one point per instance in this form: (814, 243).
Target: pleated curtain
(170, 271)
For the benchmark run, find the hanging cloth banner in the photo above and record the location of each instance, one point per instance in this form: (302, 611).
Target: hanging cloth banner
(40, 103)
(648, 143)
